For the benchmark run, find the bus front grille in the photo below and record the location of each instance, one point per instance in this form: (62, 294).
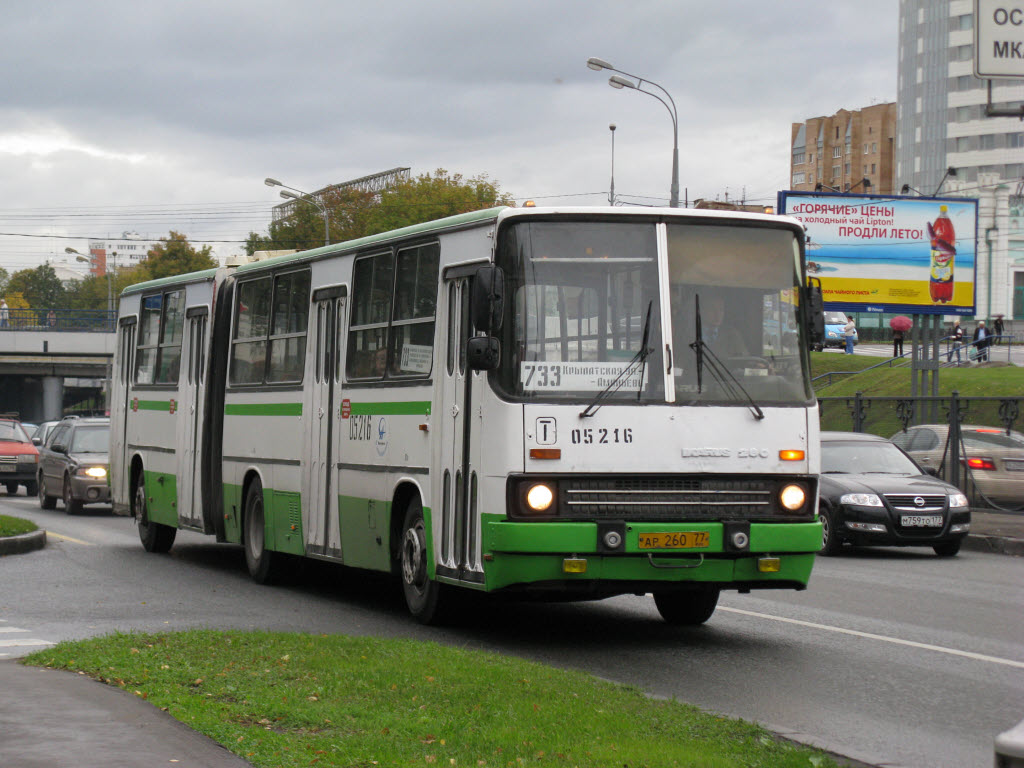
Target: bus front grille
(678, 498)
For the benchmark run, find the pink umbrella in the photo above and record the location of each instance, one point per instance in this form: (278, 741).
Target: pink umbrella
(901, 323)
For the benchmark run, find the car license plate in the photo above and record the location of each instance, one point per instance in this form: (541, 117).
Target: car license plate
(1013, 465)
(677, 540)
(921, 521)
(8, 468)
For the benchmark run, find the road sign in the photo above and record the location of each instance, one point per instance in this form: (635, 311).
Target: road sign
(998, 39)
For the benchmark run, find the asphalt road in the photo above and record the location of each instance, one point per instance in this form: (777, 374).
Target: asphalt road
(892, 657)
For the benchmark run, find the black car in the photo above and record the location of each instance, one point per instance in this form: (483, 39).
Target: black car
(872, 493)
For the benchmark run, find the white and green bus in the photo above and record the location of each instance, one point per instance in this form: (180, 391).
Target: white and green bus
(567, 403)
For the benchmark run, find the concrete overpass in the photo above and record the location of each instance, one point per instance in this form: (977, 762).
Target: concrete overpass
(45, 370)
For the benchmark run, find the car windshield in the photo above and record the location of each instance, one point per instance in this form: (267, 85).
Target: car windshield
(835, 318)
(90, 440)
(12, 432)
(859, 457)
(584, 295)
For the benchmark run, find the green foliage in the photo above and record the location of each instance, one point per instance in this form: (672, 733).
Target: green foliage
(14, 526)
(290, 699)
(176, 256)
(39, 287)
(353, 213)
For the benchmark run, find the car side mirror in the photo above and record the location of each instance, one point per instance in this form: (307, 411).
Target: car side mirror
(59, 448)
(37, 441)
(933, 471)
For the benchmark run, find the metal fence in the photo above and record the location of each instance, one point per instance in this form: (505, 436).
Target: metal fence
(57, 320)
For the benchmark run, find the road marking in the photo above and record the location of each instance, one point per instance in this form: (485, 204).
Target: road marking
(883, 638)
(26, 641)
(68, 538)
(12, 629)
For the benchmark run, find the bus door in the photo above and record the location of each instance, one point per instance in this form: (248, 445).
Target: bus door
(323, 534)
(456, 533)
(120, 382)
(190, 411)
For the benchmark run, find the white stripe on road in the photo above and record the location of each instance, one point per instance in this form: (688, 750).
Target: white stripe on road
(26, 641)
(883, 638)
(12, 629)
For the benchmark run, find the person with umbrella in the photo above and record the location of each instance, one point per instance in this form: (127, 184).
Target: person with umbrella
(900, 325)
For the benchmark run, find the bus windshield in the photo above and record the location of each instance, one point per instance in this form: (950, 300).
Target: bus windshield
(583, 296)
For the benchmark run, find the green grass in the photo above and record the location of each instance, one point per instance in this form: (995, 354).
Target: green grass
(287, 699)
(13, 526)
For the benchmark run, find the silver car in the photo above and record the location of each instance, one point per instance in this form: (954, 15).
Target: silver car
(74, 463)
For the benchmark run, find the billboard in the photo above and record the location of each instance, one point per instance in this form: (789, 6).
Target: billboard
(878, 253)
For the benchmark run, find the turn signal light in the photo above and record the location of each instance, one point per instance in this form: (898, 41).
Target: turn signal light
(769, 564)
(976, 463)
(791, 455)
(545, 453)
(574, 565)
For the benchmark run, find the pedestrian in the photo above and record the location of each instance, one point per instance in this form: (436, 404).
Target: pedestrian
(4, 313)
(982, 338)
(997, 326)
(850, 331)
(958, 341)
(897, 342)
(51, 319)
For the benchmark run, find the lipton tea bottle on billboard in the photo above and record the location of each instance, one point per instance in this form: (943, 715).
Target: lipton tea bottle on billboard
(943, 240)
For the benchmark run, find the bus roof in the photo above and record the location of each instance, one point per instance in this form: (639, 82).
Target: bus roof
(188, 277)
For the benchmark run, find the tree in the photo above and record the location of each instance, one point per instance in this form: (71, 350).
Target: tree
(356, 213)
(39, 287)
(174, 255)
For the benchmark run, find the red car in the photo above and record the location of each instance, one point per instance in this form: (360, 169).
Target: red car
(19, 459)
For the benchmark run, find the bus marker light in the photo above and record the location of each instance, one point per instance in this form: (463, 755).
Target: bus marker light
(791, 455)
(769, 564)
(574, 565)
(424, 427)
(545, 453)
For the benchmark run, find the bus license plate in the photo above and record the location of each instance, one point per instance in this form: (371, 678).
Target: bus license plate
(921, 521)
(677, 540)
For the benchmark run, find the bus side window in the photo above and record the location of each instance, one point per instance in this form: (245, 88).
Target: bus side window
(372, 286)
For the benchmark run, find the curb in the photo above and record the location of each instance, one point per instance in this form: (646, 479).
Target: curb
(25, 542)
(1001, 545)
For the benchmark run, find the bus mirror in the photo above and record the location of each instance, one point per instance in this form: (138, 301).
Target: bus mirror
(815, 312)
(483, 353)
(488, 299)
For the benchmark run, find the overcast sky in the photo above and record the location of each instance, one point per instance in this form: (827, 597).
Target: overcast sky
(125, 115)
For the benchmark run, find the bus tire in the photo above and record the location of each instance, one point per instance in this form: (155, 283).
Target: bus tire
(425, 597)
(155, 537)
(686, 608)
(265, 566)
(45, 500)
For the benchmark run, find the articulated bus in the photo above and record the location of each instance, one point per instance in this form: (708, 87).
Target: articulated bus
(563, 403)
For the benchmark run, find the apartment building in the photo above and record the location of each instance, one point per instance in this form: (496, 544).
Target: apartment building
(837, 153)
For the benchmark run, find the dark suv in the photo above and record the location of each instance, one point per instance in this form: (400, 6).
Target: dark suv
(73, 462)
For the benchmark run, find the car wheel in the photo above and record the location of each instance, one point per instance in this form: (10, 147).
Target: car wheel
(265, 566)
(30, 488)
(831, 544)
(155, 537)
(427, 600)
(71, 505)
(45, 501)
(947, 548)
(686, 608)
(12, 489)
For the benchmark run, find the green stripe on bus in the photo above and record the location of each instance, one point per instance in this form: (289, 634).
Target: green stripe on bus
(152, 405)
(420, 408)
(263, 409)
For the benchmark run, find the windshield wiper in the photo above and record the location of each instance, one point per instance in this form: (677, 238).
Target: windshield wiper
(719, 371)
(639, 361)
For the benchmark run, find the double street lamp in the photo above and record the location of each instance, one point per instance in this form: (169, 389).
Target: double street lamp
(621, 82)
(291, 193)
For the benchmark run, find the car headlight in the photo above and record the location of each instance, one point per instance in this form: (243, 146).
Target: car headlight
(96, 472)
(861, 500)
(958, 500)
(832, 334)
(28, 458)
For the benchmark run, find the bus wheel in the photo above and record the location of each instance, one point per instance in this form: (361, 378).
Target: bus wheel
(265, 566)
(423, 595)
(686, 608)
(45, 500)
(155, 537)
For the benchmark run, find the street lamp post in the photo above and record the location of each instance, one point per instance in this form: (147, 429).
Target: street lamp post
(92, 260)
(621, 82)
(611, 191)
(304, 197)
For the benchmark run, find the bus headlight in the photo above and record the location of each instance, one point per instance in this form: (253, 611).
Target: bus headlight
(540, 497)
(792, 497)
